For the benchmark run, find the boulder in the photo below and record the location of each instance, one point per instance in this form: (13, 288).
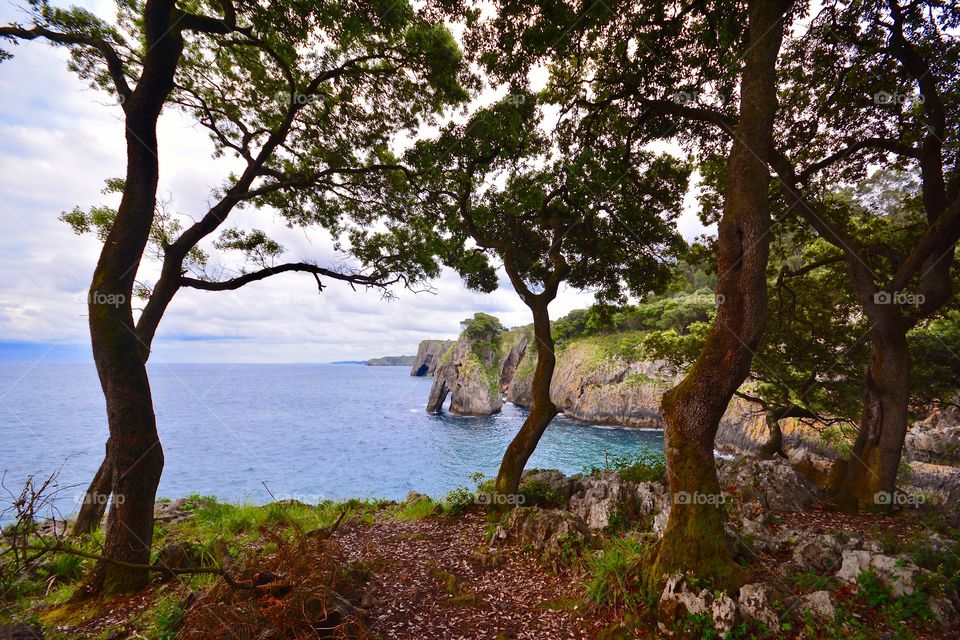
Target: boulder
(677, 601)
(773, 485)
(753, 603)
(897, 573)
(178, 510)
(945, 612)
(558, 537)
(818, 553)
(560, 485)
(601, 499)
(936, 438)
(820, 604)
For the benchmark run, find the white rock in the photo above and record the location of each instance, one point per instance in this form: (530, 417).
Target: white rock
(753, 603)
(820, 604)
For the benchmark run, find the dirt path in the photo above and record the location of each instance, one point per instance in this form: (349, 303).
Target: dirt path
(431, 582)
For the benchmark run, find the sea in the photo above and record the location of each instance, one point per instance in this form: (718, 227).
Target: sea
(252, 433)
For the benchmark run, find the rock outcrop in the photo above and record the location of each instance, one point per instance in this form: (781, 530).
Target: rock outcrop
(597, 381)
(428, 357)
(471, 377)
(558, 537)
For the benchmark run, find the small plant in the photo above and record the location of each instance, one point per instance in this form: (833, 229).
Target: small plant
(614, 573)
(872, 589)
(459, 500)
(168, 617)
(810, 581)
(645, 466)
(539, 494)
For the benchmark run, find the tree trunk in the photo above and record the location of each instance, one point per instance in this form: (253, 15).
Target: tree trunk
(542, 409)
(94, 501)
(134, 454)
(694, 539)
(774, 444)
(871, 474)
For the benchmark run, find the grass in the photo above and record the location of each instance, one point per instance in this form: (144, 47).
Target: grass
(614, 573)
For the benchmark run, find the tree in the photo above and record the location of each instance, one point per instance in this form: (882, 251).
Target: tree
(306, 96)
(899, 110)
(592, 210)
(676, 68)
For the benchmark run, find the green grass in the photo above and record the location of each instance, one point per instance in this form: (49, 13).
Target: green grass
(614, 573)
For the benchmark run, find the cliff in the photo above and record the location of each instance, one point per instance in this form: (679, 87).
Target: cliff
(601, 380)
(428, 357)
(469, 372)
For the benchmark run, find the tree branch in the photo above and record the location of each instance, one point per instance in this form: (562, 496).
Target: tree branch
(303, 267)
(110, 55)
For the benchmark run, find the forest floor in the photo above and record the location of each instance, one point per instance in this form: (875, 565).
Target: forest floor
(418, 570)
(434, 579)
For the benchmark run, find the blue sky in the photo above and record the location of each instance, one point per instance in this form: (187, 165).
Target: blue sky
(59, 140)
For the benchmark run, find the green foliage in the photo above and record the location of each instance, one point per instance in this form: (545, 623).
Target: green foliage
(539, 494)
(810, 581)
(168, 615)
(645, 466)
(614, 573)
(873, 590)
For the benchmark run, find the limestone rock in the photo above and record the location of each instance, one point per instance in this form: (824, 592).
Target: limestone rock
(817, 553)
(428, 356)
(471, 379)
(556, 536)
(898, 574)
(600, 499)
(773, 484)
(945, 612)
(820, 604)
(936, 438)
(560, 485)
(178, 510)
(677, 601)
(753, 603)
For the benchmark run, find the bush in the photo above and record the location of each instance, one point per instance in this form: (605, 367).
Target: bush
(645, 466)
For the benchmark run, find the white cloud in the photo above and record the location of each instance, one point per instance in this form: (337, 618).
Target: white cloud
(59, 140)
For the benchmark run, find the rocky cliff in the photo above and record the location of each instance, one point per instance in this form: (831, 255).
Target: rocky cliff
(597, 380)
(428, 356)
(469, 372)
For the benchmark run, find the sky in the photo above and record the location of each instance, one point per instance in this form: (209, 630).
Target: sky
(59, 141)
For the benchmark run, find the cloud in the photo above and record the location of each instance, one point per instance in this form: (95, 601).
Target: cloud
(59, 141)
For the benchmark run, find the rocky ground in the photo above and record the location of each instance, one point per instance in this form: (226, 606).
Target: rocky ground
(563, 567)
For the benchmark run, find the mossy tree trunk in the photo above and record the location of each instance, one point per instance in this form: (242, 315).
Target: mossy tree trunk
(875, 458)
(542, 409)
(694, 539)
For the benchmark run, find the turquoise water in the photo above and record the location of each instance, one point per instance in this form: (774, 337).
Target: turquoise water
(309, 432)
